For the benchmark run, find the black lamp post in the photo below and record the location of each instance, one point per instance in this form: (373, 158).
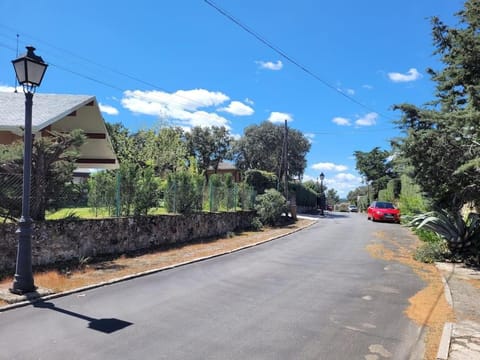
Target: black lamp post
(322, 195)
(29, 69)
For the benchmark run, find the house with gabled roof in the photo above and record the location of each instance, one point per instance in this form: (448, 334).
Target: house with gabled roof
(224, 168)
(62, 113)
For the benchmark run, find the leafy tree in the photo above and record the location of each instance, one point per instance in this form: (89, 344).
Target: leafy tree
(209, 146)
(332, 197)
(121, 142)
(145, 144)
(376, 167)
(458, 83)
(101, 191)
(183, 194)
(261, 147)
(53, 163)
(128, 174)
(172, 151)
(411, 199)
(166, 149)
(261, 180)
(146, 191)
(440, 139)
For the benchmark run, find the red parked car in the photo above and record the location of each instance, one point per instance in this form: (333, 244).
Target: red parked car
(383, 211)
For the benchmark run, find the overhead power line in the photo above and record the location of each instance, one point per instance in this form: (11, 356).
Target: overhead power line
(288, 57)
(89, 61)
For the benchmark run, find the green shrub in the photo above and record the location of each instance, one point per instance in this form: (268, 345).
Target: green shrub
(183, 192)
(304, 195)
(461, 235)
(270, 206)
(256, 224)
(261, 180)
(427, 236)
(431, 252)
(411, 199)
(146, 191)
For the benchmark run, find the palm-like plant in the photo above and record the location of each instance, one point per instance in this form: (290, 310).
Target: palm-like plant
(461, 234)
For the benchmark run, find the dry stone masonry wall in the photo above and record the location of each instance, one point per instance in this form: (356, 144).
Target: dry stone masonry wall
(66, 240)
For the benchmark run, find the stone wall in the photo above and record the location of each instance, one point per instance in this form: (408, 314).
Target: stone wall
(64, 240)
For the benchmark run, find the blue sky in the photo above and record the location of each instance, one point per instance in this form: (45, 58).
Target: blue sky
(333, 69)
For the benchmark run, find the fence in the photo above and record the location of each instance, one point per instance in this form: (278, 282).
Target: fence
(109, 196)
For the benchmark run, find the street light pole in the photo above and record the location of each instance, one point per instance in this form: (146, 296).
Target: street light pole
(322, 196)
(29, 69)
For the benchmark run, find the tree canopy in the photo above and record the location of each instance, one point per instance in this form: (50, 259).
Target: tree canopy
(53, 162)
(261, 147)
(375, 167)
(209, 146)
(440, 142)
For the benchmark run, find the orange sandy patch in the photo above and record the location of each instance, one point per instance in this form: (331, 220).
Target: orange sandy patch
(428, 308)
(474, 282)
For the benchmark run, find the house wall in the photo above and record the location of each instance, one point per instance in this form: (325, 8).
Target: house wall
(6, 137)
(234, 172)
(66, 240)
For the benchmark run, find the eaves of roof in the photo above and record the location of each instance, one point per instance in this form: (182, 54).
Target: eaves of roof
(47, 109)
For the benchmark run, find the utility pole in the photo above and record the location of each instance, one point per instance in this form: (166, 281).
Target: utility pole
(285, 161)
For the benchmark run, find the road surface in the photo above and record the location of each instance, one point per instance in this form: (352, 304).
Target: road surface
(315, 294)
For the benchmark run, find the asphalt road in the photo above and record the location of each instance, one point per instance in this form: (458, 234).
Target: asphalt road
(315, 294)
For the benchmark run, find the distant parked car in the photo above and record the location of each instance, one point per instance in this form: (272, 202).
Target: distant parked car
(352, 208)
(383, 211)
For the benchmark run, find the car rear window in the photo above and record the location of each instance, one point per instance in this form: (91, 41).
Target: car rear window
(385, 205)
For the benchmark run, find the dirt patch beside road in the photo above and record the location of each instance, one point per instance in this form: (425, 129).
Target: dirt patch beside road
(92, 273)
(428, 308)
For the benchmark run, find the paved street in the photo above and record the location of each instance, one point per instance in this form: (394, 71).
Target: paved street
(315, 294)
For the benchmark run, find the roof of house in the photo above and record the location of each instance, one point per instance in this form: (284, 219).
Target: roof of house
(63, 113)
(47, 109)
(224, 165)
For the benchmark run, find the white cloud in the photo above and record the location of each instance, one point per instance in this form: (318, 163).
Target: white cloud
(350, 91)
(279, 117)
(369, 119)
(342, 182)
(368, 87)
(107, 109)
(328, 166)
(310, 137)
(341, 121)
(4, 88)
(270, 65)
(249, 101)
(238, 108)
(411, 75)
(182, 106)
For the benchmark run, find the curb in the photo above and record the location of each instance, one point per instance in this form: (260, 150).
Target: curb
(445, 340)
(444, 347)
(143, 273)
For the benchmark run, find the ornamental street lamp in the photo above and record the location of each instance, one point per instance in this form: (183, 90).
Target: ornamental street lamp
(322, 195)
(29, 70)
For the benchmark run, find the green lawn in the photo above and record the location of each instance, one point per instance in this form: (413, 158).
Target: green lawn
(91, 213)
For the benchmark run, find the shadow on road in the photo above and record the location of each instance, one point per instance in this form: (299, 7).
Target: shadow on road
(106, 326)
